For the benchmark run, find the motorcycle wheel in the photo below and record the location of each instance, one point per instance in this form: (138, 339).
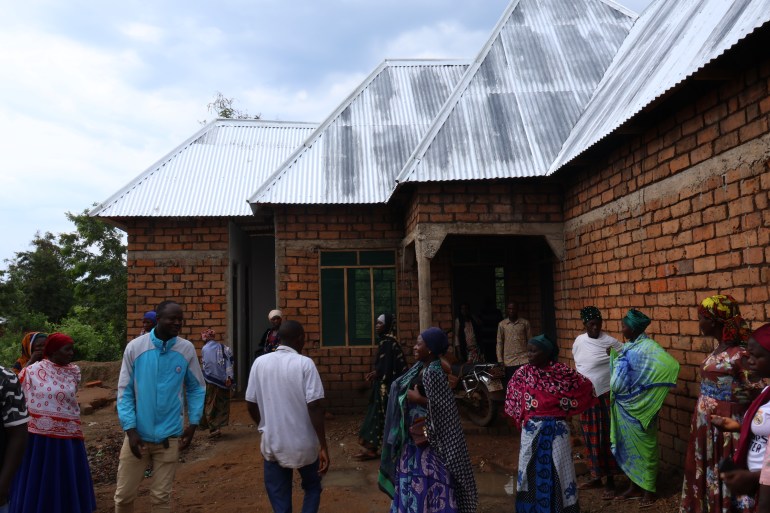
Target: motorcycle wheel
(481, 409)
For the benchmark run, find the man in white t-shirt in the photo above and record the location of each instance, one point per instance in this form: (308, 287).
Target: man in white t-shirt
(284, 397)
(592, 360)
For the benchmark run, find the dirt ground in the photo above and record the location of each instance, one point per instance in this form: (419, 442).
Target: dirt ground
(225, 474)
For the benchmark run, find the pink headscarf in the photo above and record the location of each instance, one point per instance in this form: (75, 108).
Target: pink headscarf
(208, 334)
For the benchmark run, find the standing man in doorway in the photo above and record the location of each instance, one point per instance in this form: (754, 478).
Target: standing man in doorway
(284, 397)
(513, 334)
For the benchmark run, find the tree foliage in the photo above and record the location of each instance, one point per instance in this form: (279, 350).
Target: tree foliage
(75, 282)
(224, 107)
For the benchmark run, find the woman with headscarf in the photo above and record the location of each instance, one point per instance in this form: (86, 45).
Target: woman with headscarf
(54, 476)
(540, 395)
(641, 374)
(270, 339)
(742, 474)
(726, 391)
(217, 367)
(592, 360)
(436, 477)
(31, 350)
(389, 364)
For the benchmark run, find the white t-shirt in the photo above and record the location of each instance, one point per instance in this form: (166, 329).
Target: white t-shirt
(760, 430)
(592, 360)
(282, 383)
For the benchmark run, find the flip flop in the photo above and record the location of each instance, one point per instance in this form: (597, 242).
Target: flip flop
(647, 503)
(366, 456)
(608, 495)
(590, 485)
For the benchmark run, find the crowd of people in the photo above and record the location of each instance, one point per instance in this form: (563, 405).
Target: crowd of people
(412, 424)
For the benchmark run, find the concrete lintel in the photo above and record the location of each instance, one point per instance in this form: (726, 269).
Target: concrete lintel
(433, 234)
(322, 244)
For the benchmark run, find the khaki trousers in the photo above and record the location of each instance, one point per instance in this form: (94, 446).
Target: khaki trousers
(131, 472)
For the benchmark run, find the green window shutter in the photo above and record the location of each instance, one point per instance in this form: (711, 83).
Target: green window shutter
(360, 328)
(338, 258)
(378, 257)
(384, 291)
(333, 307)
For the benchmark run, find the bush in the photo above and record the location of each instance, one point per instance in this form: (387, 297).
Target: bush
(91, 343)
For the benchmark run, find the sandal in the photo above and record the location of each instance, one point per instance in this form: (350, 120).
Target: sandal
(215, 434)
(590, 485)
(366, 456)
(646, 503)
(608, 495)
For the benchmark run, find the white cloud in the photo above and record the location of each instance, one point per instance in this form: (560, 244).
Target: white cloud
(143, 32)
(442, 40)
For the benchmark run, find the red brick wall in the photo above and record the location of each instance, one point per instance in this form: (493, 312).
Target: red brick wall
(301, 233)
(492, 201)
(673, 216)
(185, 260)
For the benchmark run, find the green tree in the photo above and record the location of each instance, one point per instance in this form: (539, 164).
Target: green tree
(38, 281)
(96, 258)
(224, 107)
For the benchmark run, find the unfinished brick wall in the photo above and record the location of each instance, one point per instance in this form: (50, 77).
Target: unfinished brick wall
(185, 260)
(493, 201)
(671, 217)
(301, 233)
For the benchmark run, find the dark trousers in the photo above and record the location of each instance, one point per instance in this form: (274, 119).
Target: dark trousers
(278, 486)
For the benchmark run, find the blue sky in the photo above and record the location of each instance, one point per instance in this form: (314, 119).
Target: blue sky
(94, 92)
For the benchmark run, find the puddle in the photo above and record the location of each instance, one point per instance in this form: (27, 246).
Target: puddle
(493, 484)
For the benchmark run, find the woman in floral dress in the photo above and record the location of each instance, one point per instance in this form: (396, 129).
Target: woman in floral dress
(725, 391)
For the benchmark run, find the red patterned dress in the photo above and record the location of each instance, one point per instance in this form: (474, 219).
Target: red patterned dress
(725, 391)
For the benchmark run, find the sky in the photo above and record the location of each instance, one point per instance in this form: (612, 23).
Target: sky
(93, 93)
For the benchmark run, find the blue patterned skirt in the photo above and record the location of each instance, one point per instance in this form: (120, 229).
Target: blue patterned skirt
(423, 483)
(54, 477)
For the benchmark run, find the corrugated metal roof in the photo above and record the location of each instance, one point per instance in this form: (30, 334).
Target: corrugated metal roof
(527, 88)
(355, 155)
(210, 174)
(671, 41)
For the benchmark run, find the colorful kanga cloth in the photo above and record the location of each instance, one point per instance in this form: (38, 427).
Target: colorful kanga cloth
(389, 364)
(447, 449)
(51, 392)
(546, 478)
(725, 391)
(595, 422)
(552, 391)
(641, 374)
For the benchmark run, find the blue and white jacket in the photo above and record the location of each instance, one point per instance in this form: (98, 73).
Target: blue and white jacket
(153, 377)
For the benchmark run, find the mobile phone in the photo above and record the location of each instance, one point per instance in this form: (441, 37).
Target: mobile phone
(726, 465)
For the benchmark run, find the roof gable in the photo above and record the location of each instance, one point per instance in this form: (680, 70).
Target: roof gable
(210, 174)
(525, 91)
(671, 41)
(354, 156)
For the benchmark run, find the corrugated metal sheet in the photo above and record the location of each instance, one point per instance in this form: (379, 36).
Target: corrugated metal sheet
(210, 174)
(670, 42)
(518, 102)
(355, 155)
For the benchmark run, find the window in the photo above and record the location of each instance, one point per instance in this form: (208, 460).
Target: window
(356, 286)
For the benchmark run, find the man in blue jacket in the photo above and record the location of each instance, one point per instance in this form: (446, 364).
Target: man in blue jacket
(158, 368)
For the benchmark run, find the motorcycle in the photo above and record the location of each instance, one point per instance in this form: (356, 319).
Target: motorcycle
(479, 389)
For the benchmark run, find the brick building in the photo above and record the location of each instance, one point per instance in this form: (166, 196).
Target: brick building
(584, 157)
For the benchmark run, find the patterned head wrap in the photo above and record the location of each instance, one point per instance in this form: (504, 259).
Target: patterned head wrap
(762, 336)
(274, 313)
(208, 334)
(590, 313)
(724, 309)
(546, 345)
(150, 316)
(636, 320)
(436, 340)
(26, 349)
(56, 341)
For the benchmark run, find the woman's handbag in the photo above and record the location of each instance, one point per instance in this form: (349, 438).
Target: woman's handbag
(419, 432)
